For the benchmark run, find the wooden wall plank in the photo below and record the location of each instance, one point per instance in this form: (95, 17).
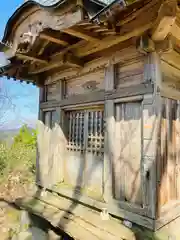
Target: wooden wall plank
(128, 159)
(100, 96)
(83, 98)
(53, 92)
(135, 90)
(114, 209)
(124, 57)
(82, 84)
(132, 74)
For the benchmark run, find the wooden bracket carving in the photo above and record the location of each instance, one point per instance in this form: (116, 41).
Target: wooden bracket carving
(165, 20)
(144, 44)
(164, 46)
(28, 31)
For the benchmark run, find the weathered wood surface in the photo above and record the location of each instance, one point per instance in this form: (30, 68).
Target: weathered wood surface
(85, 84)
(135, 90)
(85, 150)
(131, 74)
(52, 92)
(124, 56)
(110, 78)
(99, 96)
(77, 220)
(91, 97)
(51, 147)
(170, 85)
(165, 20)
(168, 168)
(169, 214)
(40, 20)
(109, 150)
(127, 164)
(54, 209)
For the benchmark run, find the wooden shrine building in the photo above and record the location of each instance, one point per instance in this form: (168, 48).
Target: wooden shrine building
(109, 107)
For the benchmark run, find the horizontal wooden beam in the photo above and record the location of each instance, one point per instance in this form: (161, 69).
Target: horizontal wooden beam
(172, 58)
(80, 34)
(66, 59)
(76, 99)
(53, 39)
(100, 96)
(108, 42)
(31, 58)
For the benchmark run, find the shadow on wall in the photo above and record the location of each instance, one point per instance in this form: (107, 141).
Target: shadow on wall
(162, 158)
(161, 161)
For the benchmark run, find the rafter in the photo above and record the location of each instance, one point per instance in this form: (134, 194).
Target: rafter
(66, 59)
(80, 34)
(31, 58)
(110, 41)
(43, 46)
(53, 39)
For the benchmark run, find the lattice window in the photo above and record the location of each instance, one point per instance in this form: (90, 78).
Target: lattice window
(76, 131)
(95, 132)
(86, 131)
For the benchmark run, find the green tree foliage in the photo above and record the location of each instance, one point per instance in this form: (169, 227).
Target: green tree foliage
(21, 154)
(26, 137)
(3, 158)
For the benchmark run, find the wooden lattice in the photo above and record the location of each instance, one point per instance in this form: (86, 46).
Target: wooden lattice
(86, 131)
(76, 131)
(95, 132)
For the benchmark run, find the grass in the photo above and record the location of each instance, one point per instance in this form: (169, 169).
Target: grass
(16, 158)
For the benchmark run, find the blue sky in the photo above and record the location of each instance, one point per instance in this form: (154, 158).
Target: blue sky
(24, 97)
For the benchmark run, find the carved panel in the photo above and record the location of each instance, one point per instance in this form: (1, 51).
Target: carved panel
(29, 29)
(85, 84)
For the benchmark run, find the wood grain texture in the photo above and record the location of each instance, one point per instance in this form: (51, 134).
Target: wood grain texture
(83, 98)
(114, 209)
(109, 149)
(127, 163)
(40, 20)
(77, 86)
(124, 56)
(53, 92)
(135, 90)
(168, 168)
(110, 77)
(140, 89)
(51, 148)
(132, 74)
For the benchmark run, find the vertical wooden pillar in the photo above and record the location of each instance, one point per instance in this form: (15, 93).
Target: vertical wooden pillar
(152, 142)
(41, 94)
(109, 134)
(177, 149)
(40, 120)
